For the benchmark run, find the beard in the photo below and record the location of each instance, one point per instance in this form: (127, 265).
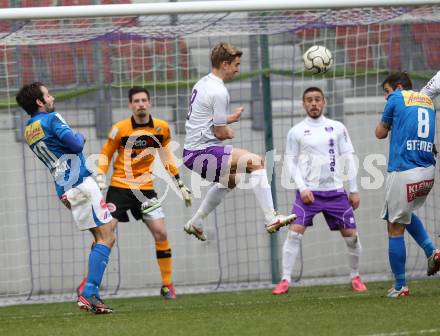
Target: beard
(49, 108)
(313, 114)
(142, 113)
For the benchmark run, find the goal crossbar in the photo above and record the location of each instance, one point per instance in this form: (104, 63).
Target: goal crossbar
(60, 12)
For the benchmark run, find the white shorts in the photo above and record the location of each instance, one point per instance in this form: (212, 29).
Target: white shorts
(406, 191)
(89, 209)
(155, 214)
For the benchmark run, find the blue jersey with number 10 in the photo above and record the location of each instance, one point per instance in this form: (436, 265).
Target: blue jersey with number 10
(411, 116)
(43, 133)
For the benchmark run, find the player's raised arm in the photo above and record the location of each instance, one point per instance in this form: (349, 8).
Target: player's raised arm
(432, 88)
(223, 132)
(236, 115)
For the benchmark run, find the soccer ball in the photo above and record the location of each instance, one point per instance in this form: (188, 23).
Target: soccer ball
(317, 59)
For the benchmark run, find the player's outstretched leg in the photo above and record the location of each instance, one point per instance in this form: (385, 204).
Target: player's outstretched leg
(277, 221)
(213, 198)
(263, 193)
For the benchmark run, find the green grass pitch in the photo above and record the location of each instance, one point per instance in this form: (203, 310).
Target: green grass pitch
(318, 310)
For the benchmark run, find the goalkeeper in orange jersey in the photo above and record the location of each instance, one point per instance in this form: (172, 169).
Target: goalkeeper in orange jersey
(136, 140)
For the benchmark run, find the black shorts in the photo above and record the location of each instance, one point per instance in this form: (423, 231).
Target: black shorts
(120, 200)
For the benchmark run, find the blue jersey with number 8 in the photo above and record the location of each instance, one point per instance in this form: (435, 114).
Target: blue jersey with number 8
(411, 116)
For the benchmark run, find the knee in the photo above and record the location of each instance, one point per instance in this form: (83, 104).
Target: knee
(160, 236)
(233, 181)
(395, 229)
(256, 162)
(353, 242)
(293, 235)
(110, 239)
(108, 235)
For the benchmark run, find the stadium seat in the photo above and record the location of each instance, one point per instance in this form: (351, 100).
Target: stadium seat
(390, 39)
(356, 42)
(426, 34)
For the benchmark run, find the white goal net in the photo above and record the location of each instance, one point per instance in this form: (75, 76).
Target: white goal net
(90, 63)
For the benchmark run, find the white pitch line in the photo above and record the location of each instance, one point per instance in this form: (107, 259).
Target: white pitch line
(404, 333)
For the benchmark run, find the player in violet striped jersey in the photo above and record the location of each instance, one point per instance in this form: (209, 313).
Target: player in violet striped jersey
(410, 117)
(316, 150)
(205, 152)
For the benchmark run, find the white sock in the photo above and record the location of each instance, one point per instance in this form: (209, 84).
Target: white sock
(213, 198)
(263, 193)
(354, 251)
(291, 248)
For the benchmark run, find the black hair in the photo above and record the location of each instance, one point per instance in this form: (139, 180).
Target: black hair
(137, 89)
(27, 97)
(398, 78)
(313, 89)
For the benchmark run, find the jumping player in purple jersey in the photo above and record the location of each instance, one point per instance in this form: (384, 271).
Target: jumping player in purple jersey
(314, 151)
(205, 152)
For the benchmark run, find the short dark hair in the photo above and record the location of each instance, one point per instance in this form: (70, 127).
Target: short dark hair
(313, 89)
(224, 52)
(396, 78)
(27, 97)
(137, 89)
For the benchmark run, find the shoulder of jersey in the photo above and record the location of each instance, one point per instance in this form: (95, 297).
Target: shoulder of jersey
(297, 128)
(335, 123)
(397, 93)
(160, 123)
(124, 123)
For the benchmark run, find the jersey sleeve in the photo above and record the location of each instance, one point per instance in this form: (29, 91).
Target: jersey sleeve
(166, 138)
(432, 88)
(292, 155)
(165, 153)
(292, 145)
(167, 157)
(388, 113)
(344, 141)
(221, 108)
(59, 126)
(108, 149)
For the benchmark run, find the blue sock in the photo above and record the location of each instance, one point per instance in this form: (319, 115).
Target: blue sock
(397, 256)
(418, 232)
(98, 260)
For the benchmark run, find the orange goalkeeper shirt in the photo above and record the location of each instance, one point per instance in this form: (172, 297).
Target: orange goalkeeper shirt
(137, 146)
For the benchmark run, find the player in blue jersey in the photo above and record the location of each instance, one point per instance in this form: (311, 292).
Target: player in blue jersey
(410, 117)
(60, 149)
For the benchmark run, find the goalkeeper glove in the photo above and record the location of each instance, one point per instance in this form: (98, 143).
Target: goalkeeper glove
(100, 181)
(186, 192)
